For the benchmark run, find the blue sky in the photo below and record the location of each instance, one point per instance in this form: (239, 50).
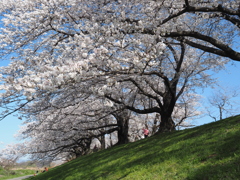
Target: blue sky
(9, 126)
(228, 78)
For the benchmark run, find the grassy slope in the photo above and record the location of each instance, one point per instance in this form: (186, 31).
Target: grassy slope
(211, 151)
(14, 173)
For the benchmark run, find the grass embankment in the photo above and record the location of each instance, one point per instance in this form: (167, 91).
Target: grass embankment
(207, 152)
(9, 174)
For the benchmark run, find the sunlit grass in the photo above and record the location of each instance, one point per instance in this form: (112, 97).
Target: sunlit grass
(211, 151)
(4, 174)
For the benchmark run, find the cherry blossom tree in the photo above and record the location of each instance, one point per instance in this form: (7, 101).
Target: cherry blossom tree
(217, 32)
(10, 155)
(79, 67)
(108, 48)
(187, 110)
(63, 132)
(222, 101)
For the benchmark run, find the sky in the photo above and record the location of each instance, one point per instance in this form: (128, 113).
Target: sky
(228, 78)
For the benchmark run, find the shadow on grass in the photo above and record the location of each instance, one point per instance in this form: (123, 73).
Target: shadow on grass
(225, 171)
(212, 146)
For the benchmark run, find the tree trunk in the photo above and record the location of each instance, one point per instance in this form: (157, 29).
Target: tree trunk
(122, 119)
(169, 100)
(155, 126)
(166, 125)
(102, 141)
(220, 112)
(123, 132)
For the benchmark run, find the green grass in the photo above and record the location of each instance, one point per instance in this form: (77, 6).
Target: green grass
(4, 174)
(207, 152)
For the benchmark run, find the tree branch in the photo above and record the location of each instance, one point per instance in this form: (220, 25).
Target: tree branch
(224, 50)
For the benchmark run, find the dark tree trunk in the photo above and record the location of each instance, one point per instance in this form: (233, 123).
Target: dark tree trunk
(169, 100)
(86, 148)
(102, 141)
(123, 131)
(220, 112)
(166, 125)
(83, 147)
(122, 119)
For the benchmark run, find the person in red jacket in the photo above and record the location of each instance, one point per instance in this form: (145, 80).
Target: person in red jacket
(45, 169)
(146, 132)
